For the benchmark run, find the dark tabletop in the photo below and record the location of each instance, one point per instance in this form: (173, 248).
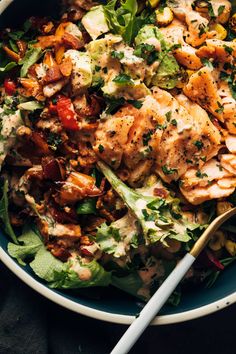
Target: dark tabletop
(30, 324)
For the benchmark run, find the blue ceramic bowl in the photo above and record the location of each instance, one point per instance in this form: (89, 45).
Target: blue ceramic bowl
(112, 305)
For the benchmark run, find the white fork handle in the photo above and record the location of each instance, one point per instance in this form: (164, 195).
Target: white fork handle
(153, 306)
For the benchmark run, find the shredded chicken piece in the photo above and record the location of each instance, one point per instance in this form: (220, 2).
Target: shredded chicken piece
(210, 182)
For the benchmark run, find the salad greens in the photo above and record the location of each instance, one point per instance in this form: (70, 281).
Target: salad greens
(4, 215)
(158, 218)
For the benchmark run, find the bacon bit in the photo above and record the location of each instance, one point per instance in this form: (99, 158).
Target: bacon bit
(14, 56)
(54, 169)
(59, 53)
(61, 216)
(40, 142)
(66, 67)
(22, 46)
(60, 252)
(53, 74)
(71, 41)
(160, 192)
(86, 252)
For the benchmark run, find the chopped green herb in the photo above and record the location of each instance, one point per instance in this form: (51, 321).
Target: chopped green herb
(220, 110)
(207, 62)
(147, 137)
(174, 122)
(201, 175)
(97, 68)
(168, 171)
(228, 49)
(101, 148)
(221, 10)
(117, 55)
(123, 79)
(168, 115)
(137, 104)
(198, 144)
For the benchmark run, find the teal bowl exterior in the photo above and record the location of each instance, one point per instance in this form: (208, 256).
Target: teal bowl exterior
(113, 305)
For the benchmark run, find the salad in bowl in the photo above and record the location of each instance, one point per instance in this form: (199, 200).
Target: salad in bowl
(118, 142)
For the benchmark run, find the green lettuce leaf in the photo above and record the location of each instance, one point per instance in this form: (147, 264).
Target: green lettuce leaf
(68, 278)
(8, 67)
(130, 283)
(119, 236)
(30, 106)
(4, 215)
(30, 243)
(46, 266)
(31, 57)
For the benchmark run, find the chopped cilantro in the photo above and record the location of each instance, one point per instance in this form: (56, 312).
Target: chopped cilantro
(168, 171)
(198, 144)
(54, 140)
(221, 10)
(168, 115)
(174, 122)
(201, 175)
(97, 68)
(228, 49)
(117, 55)
(147, 136)
(207, 62)
(100, 148)
(137, 104)
(123, 79)
(220, 110)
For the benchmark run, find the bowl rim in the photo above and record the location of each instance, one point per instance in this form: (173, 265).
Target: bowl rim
(98, 314)
(108, 316)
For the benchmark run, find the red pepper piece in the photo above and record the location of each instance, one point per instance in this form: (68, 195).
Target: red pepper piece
(10, 86)
(67, 113)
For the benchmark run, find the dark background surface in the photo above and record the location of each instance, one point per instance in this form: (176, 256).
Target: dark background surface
(30, 324)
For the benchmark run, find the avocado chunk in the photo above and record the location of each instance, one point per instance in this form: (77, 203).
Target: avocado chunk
(81, 77)
(95, 22)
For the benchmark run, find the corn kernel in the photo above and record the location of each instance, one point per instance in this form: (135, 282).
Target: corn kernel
(231, 247)
(153, 3)
(222, 207)
(164, 17)
(218, 241)
(221, 32)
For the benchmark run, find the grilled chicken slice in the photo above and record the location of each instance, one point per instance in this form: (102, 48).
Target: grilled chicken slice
(198, 30)
(210, 182)
(186, 54)
(112, 135)
(189, 138)
(230, 143)
(145, 133)
(202, 88)
(213, 94)
(219, 50)
(228, 161)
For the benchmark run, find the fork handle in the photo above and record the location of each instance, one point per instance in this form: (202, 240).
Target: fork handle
(153, 306)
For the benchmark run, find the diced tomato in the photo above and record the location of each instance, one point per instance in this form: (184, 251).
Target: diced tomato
(10, 86)
(67, 113)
